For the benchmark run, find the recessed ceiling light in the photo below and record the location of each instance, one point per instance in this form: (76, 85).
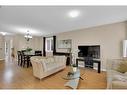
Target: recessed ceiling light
(3, 33)
(74, 13)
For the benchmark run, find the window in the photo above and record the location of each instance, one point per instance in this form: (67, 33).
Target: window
(49, 44)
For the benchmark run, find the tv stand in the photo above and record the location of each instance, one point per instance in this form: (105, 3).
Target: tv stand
(97, 61)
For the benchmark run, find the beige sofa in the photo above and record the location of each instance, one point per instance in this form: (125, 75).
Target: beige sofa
(117, 74)
(45, 66)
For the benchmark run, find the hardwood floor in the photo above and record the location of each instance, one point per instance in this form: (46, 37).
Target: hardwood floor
(14, 77)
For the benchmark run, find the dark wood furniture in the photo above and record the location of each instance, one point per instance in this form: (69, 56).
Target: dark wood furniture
(19, 57)
(44, 52)
(94, 61)
(38, 53)
(24, 58)
(88, 62)
(27, 59)
(54, 45)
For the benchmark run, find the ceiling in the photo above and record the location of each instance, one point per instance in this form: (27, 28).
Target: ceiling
(45, 20)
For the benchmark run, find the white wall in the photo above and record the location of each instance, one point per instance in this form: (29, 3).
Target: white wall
(20, 43)
(109, 37)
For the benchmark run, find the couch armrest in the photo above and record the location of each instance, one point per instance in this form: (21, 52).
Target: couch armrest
(112, 72)
(37, 63)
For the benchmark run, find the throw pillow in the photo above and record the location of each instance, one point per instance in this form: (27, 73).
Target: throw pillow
(122, 67)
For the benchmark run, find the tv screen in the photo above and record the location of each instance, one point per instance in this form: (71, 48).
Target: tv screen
(91, 51)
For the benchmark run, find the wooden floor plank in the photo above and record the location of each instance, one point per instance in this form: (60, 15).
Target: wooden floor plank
(13, 76)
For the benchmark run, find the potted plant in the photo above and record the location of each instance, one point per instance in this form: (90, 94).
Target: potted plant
(28, 49)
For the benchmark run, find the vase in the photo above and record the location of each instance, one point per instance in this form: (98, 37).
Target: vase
(74, 69)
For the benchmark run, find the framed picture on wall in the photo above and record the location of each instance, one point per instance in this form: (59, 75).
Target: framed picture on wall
(63, 44)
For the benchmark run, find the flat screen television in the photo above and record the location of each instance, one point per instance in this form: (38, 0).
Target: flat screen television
(91, 51)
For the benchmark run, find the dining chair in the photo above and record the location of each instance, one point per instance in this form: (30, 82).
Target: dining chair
(25, 60)
(38, 53)
(19, 57)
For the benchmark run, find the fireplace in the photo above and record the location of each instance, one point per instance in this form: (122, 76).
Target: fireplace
(89, 52)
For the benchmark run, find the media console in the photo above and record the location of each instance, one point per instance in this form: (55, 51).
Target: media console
(93, 61)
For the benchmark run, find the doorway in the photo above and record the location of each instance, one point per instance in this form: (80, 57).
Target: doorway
(8, 49)
(2, 47)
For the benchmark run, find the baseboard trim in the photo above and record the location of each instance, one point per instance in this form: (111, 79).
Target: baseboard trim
(95, 68)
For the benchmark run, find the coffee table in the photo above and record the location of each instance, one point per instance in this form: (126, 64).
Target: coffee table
(73, 78)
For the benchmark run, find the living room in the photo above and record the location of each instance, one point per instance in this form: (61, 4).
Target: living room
(108, 33)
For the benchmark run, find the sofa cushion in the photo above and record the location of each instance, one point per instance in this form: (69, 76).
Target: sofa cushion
(50, 67)
(51, 60)
(120, 78)
(122, 67)
(119, 84)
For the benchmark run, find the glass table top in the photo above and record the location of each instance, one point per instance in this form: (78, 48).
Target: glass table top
(72, 75)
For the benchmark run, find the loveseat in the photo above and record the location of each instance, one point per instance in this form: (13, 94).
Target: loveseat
(117, 74)
(45, 66)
